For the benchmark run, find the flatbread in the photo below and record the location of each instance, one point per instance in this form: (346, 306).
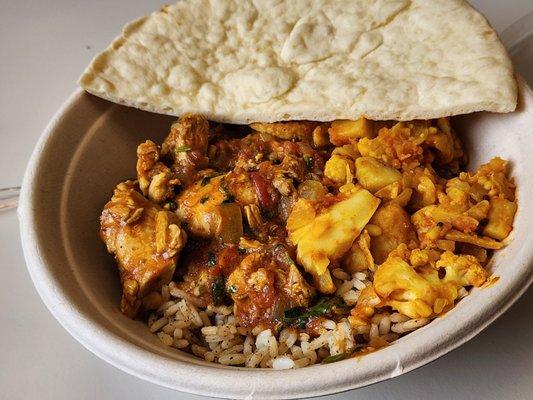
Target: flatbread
(241, 61)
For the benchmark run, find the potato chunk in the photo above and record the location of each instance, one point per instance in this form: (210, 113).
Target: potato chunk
(323, 231)
(501, 216)
(346, 131)
(374, 175)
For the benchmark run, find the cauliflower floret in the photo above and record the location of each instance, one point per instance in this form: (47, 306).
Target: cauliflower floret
(425, 184)
(422, 292)
(323, 231)
(469, 200)
(339, 169)
(400, 146)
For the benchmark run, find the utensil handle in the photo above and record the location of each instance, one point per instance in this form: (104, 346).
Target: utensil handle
(9, 198)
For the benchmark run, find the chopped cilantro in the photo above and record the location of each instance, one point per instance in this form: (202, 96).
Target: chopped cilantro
(229, 199)
(217, 290)
(309, 162)
(336, 357)
(299, 317)
(182, 149)
(170, 206)
(231, 289)
(211, 259)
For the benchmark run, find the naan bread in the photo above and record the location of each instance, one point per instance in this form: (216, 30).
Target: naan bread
(241, 61)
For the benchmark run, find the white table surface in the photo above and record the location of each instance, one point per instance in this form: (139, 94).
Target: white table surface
(44, 45)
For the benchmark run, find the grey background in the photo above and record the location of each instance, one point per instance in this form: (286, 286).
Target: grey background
(44, 46)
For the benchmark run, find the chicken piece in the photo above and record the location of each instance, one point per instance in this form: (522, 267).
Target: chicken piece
(146, 241)
(186, 145)
(396, 228)
(421, 292)
(209, 210)
(323, 231)
(156, 180)
(291, 130)
(265, 284)
(206, 264)
(241, 185)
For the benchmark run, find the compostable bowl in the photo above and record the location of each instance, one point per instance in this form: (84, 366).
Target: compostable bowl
(89, 146)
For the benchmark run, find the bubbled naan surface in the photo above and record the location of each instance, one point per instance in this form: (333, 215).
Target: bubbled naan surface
(241, 61)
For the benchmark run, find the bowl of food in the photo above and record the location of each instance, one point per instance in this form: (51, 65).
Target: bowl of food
(311, 216)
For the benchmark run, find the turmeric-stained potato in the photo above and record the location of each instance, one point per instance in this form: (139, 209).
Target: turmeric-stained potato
(374, 175)
(501, 216)
(345, 131)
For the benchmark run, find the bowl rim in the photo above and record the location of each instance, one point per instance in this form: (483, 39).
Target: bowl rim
(152, 367)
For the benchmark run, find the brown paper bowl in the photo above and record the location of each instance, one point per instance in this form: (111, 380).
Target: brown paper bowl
(89, 146)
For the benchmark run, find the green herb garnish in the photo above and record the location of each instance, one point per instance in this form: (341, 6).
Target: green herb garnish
(267, 214)
(182, 149)
(299, 317)
(285, 254)
(211, 259)
(204, 199)
(336, 357)
(218, 290)
(205, 180)
(309, 162)
(231, 289)
(170, 206)
(229, 199)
